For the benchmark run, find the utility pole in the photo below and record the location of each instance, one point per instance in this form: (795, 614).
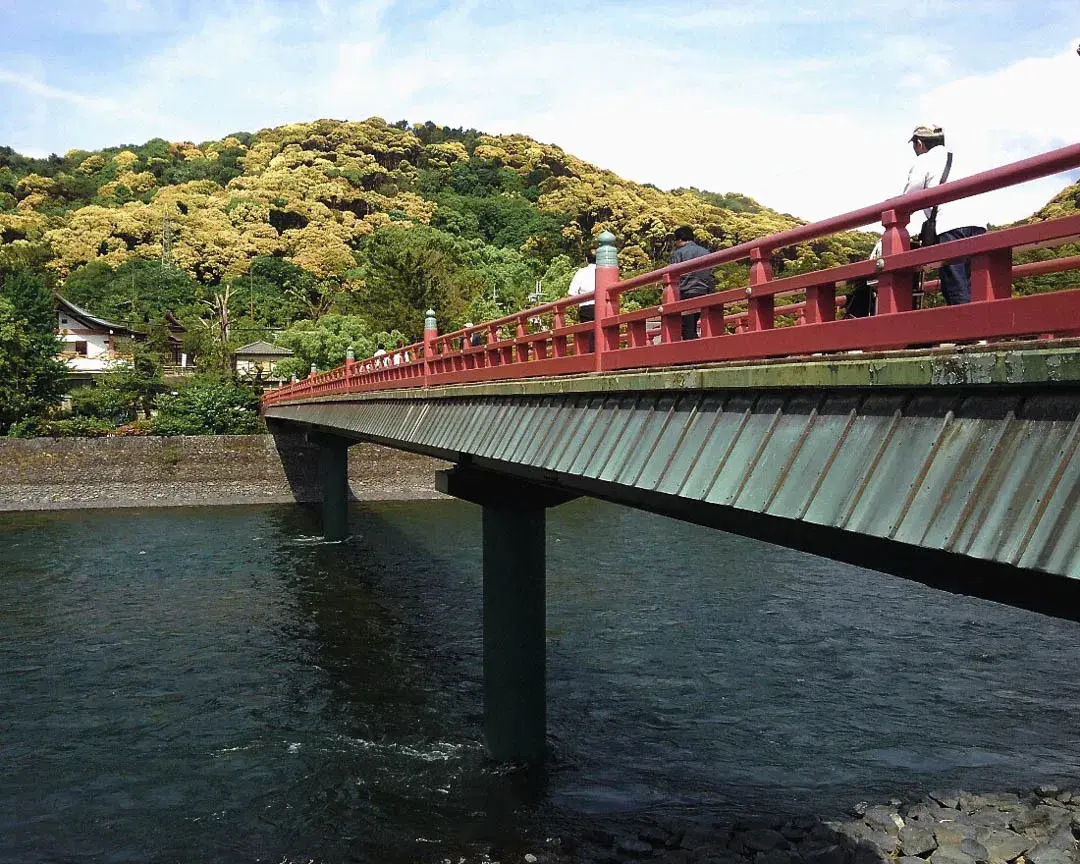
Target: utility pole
(166, 241)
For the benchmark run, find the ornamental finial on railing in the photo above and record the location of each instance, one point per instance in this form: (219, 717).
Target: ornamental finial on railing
(606, 253)
(313, 371)
(429, 321)
(349, 353)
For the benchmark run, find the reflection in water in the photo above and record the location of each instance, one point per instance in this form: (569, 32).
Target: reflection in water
(219, 683)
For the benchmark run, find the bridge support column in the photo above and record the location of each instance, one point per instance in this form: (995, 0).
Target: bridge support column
(514, 608)
(515, 615)
(334, 481)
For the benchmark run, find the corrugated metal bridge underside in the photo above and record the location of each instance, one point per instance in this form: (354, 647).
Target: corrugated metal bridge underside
(969, 488)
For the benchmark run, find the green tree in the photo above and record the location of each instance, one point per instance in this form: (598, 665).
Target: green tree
(277, 291)
(505, 275)
(134, 293)
(99, 402)
(209, 405)
(32, 380)
(129, 388)
(28, 291)
(137, 381)
(157, 340)
(325, 342)
(406, 271)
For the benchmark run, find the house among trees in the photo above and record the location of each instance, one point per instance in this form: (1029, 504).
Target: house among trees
(90, 344)
(176, 330)
(258, 361)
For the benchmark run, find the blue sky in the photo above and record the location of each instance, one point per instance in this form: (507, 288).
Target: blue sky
(805, 105)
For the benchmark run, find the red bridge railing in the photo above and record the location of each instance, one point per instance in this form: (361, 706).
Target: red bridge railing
(742, 323)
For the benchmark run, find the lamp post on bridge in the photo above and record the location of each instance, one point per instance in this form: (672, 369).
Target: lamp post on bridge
(606, 305)
(431, 333)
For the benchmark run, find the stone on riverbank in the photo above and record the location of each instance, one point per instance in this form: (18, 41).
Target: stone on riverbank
(1041, 827)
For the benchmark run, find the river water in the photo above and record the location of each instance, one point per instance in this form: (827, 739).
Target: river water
(219, 685)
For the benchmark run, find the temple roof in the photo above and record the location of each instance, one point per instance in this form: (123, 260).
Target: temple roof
(63, 304)
(262, 349)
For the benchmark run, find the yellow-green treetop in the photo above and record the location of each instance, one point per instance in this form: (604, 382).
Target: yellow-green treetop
(1065, 203)
(312, 193)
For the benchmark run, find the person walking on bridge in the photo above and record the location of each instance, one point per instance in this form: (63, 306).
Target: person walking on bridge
(932, 167)
(696, 284)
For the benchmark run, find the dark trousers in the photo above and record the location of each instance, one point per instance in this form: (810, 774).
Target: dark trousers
(690, 321)
(955, 275)
(585, 315)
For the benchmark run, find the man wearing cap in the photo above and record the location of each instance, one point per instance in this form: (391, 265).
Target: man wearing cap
(933, 166)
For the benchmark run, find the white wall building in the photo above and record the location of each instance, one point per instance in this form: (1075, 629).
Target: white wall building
(259, 360)
(89, 343)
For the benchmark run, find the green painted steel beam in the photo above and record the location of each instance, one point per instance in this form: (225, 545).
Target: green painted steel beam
(943, 367)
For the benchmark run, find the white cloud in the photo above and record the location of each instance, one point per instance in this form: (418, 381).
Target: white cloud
(45, 91)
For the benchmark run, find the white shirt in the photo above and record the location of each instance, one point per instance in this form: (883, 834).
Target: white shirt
(584, 282)
(926, 173)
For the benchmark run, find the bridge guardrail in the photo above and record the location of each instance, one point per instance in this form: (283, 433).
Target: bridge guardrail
(741, 323)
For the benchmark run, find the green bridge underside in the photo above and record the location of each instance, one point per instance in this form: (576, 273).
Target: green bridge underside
(955, 468)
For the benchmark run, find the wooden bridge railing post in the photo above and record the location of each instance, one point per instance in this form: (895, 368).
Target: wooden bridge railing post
(558, 321)
(894, 289)
(520, 331)
(670, 323)
(991, 276)
(605, 338)
(761, 310)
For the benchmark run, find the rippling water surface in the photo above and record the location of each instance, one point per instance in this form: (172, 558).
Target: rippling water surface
(219, 685)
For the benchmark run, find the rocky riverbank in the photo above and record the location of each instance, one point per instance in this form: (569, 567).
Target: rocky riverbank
(77, 473)
(954, 827)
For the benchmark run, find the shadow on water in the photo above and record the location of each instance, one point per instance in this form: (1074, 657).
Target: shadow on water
(401, 664)
(299, 461)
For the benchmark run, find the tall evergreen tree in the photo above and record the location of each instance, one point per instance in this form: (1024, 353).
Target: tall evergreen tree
(31, 378)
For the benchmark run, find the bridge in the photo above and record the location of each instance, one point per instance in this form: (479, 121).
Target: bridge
(938, 443)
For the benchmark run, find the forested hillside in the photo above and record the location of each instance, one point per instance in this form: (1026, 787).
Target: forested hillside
(371, 221)
(1066, 203)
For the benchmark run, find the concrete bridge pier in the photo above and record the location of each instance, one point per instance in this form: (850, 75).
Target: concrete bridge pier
(334, 482)
(514, 607)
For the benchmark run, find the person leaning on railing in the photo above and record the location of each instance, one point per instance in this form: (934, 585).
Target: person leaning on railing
(475, 339)
(933, 166)
(696, 284)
